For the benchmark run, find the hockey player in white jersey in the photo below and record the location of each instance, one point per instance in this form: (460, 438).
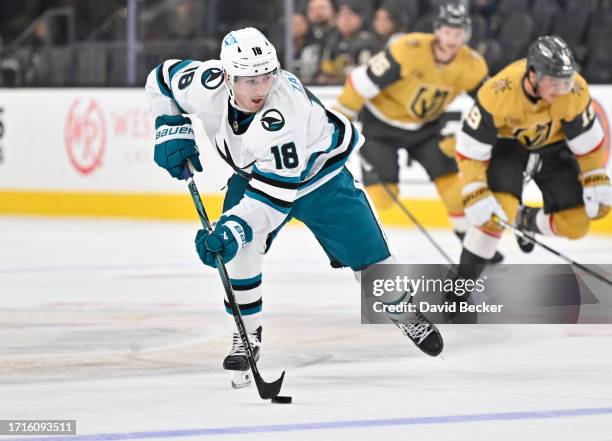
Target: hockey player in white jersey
(288, 153)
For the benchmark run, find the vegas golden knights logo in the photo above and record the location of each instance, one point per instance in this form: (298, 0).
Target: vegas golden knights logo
(534, 136)
(428, 102)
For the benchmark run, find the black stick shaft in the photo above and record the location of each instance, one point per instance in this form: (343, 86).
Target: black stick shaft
(533, 240)
(266, 390)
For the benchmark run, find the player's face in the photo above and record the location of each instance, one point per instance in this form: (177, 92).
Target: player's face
(449, 40)
(550, 88)
(251, 92)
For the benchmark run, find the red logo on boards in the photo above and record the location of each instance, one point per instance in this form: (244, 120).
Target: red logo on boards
(85, 135)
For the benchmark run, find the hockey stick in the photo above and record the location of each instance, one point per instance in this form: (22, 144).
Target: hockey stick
(266, 390)
(533, 240)
(370, 169)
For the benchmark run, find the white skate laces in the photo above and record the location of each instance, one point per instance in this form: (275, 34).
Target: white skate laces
(418, 332)
(242, 378)
(238, 347)
(417, 328)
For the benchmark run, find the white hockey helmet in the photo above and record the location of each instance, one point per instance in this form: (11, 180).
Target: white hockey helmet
(246, 53)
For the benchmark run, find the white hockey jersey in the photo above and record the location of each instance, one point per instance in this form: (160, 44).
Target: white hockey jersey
(292, 146)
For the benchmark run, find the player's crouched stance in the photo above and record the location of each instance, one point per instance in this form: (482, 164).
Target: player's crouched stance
(534, 117)
(288, 153)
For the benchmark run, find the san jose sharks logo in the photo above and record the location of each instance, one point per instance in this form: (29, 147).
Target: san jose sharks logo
(273, 120)
(229, 40)
(212, 78)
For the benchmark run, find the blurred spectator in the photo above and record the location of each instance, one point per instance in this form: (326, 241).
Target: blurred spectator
(10, 72)
(178, 21)
(33, 56)
(326, 48)
(183, 24)
(485, 8)
(41, 36)
(321, 15)
(9, 69)
(390, 20)
(349, 45)
(16, 16)
(300, 29)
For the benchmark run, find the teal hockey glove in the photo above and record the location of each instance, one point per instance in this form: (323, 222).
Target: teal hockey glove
(174, 144)
(230, 234)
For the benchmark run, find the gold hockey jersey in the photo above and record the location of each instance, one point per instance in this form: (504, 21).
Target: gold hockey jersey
(503, 109)
(405, 87)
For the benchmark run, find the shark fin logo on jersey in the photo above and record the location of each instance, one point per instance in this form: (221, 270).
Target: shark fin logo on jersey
(212, 78)
(273, 120)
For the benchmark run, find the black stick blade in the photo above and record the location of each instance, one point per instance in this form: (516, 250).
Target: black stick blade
(268, 390)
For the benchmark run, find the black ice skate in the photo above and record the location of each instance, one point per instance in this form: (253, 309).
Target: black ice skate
(525, 221)
(237, 361)
(497, 257)
(423, 333)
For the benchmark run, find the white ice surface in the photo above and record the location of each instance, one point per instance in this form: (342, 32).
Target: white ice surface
(118, 325)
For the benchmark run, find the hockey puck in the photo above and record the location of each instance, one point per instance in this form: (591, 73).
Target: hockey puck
(282, 400)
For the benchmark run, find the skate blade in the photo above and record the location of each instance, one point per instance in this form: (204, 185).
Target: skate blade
(240, 379)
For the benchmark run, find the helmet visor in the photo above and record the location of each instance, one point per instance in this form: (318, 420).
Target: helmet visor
(263, 83)
(561, 86)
